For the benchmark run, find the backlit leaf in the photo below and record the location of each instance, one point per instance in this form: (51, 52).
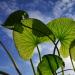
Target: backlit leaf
(64, 31)
(26, 41)
(49, 64)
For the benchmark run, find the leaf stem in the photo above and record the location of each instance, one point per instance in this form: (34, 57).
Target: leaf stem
(64, 70)
(71, 60)
(13, 61)
(32, 66)
(55, 45)
(57, 50)
(39, 53)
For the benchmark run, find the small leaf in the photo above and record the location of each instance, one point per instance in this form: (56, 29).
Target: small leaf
(26, 41)
(63, 30)
(39, 29)
(13, 21)
(49, 64)
(3, 73)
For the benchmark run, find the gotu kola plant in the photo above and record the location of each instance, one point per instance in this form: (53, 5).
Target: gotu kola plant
(13, 22)
(37, 29)
(19, 28)
(64, 32)
(29, 32)
(28, 39)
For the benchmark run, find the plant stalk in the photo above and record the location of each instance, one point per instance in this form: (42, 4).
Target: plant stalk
(55, 45)
(71, 60)
(10, 56)
(39, 53)
(57, 50)
(32, 66)
(65, 70)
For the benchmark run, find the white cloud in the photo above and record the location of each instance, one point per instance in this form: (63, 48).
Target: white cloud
(70, 15)
(39, 15)
(61, 7)
(7, 7)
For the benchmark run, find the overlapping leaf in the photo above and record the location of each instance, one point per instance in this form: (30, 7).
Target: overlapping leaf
(39, 29)
(27, 41)
(49, 64)
(64, 31)
(14, 20)
(72, 49)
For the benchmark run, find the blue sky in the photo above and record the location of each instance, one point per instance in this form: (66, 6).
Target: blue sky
(45, 10)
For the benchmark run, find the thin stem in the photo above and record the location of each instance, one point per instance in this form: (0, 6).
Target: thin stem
(32, 66)
(57, 50)
(58, 53)
(71, 60)
(64, 70)
(39, 53)
(55, 45)
(10, 56)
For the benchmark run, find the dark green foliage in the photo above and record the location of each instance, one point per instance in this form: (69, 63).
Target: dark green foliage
(29, 32)
(49, 64)
(39, 29)
(13, 21)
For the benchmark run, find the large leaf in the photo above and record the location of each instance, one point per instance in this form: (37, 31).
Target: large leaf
(39, 29)
(64, 31)
(72, 49)
(14, 20)
(49, 64)
(27, 41)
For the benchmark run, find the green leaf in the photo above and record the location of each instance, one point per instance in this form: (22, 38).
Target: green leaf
(72, 49)
(49, 64)
(13, 21)
(63, 30)
(26, 41)
(39, 29)
(3, 73)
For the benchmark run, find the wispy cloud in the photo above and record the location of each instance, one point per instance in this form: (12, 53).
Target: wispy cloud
(61, 7)
(39, 15)
(8, 7)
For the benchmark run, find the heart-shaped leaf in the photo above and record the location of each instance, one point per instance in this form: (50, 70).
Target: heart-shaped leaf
(27, 41)
(63, 30)
(13, 21)
(49, 64)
